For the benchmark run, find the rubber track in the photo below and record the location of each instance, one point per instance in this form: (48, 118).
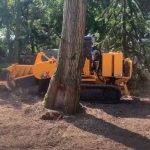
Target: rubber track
(108, 94)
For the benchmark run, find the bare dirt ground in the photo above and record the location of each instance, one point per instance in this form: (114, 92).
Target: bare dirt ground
(115, 127)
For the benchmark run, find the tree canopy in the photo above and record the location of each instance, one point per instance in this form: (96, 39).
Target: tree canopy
(28, 26)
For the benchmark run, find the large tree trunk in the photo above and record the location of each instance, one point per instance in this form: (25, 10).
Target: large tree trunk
(64, 89)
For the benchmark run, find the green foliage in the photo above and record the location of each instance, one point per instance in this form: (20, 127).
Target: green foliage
(94, 11)
(44, 23)
(125, 25)
(34, 25)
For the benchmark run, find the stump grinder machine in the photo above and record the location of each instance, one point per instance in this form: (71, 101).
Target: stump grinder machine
(103, 79)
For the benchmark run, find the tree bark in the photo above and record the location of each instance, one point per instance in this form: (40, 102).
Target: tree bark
(17, 46)
(124, 34)
(64, 89)
(7, 24)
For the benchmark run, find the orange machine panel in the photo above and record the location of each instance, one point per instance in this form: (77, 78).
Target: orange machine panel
(86, 68)
(118, 64)
(107, 64)
(44, 70)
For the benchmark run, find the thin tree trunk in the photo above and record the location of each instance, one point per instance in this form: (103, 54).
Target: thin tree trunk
(64, 89)
(17, 48)
(124, 41)
(32, 46)
(7, 23)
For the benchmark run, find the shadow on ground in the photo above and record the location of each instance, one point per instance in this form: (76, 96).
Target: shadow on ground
(97, 126)
(137, 108)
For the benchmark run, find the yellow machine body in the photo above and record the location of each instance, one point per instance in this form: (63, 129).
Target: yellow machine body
(113, 65)
(44, 69)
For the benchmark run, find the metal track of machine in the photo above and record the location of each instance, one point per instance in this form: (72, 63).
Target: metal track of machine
(107, 94)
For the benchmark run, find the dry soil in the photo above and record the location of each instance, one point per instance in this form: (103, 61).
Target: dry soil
(113, 127)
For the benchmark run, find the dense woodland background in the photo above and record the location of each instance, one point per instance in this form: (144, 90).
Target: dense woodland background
(28, 26)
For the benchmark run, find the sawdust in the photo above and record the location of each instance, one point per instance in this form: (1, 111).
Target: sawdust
(120, 126)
